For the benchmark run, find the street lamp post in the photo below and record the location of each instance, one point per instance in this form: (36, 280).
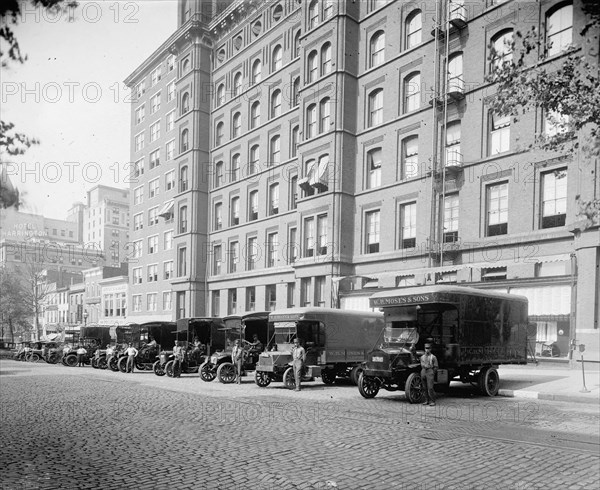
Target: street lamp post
(85, 317)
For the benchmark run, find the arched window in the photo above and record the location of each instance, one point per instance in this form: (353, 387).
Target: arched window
(219, 175)
(185, 103)
(255, 115)
(275, 150)
(277, 61)
(412, 92)
(375, 115)
(559, 29)
(183, 220)
(220, 95)
(327, 9)
(184, 141)
(311, 121)
(313, 14)
(277, 13)
(294, 145)
(256, 72)
(254, 159)
(219, 134)
(410, 157)
(237, 84)
(413, 29)
(456, 81)
(296, 92)
(235, 168)
(312, 66)
(377, 49)
(237, 125)
(297, 45)
(183, 179)
(275, 103)
(502, 49)
(325, 112)
(326, 59)
(186, 66)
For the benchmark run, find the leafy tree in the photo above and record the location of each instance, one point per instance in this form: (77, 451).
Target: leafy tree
(14, 142)
(566, 89)
(15, 312)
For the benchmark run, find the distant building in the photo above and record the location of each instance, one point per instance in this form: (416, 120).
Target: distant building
(113, 291)
(93, 291)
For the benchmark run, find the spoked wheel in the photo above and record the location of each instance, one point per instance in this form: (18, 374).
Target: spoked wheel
(226, 373)
(288, 379)
(102, 364)
(413, 388)
(158, 369)
(71, 360)
(262, 379)
(33, 358)
(489, 381)
(95, 363)
(113, 364)
(355, 374)
(368, 386)
(122, 364)
(328, 376)
(207, 373)
(169, 369)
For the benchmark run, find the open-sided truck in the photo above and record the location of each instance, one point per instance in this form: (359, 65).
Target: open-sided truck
(163, 333)
(336, 343)
(472, 331)
(91, 338)
(238, 327)
(208, 331)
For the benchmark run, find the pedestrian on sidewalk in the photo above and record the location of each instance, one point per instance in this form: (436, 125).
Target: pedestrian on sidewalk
(81, 352)
(178, 357)
(237, 357)
(429, 367)
(131, 352)
(298, 360)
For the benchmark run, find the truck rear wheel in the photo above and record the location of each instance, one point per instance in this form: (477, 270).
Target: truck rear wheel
(355, 374)
(288, 379)
(71, 360)
(169, 368)
(113, 364)
(226, 373)
(262, 379)
(413, 389)
(328, 376)
(102, 363)
(122, 364)
(489, 381)
(368, 386)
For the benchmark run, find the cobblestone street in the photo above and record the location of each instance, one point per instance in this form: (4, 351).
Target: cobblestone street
(83, 428)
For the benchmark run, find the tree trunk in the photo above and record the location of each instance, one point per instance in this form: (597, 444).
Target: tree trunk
(11, 330)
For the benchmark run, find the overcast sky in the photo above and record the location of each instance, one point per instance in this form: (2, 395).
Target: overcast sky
(70, 95)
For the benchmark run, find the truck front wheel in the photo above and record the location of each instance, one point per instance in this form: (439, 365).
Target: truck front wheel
(289, 381)
(368, 386)
(489, 381)
(328, 376)
(413, 389)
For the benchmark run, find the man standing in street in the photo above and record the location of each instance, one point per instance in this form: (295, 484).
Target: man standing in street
(298, 360)
(429, 367)
(178, 355)
(81, 352)
(237, 357)
(131, 352)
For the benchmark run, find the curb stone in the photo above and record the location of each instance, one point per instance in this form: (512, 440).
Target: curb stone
(547, 396)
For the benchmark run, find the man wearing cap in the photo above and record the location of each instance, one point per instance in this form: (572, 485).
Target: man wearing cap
(131, 352)
(298, 360)
(429, 366)
(178, 358)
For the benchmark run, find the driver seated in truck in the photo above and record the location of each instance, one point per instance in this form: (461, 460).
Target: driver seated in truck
(109, 351)
(152, 344)
(256, 345)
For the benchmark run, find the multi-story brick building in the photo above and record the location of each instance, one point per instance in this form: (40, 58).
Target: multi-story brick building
(326, 148)
(106, 223)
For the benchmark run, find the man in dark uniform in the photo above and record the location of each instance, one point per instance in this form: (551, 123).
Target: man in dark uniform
(429, 367)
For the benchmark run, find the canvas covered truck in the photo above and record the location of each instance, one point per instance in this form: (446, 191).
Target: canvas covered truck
(91, 338)
(336, 343)
(472, 332)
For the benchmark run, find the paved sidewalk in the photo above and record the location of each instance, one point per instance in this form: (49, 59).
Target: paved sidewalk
(551, 382)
